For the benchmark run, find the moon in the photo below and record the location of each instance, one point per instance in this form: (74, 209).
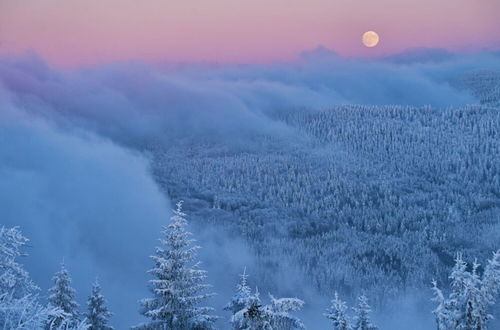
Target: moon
(370, 39)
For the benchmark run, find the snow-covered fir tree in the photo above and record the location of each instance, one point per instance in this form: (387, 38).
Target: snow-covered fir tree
(471, 296)
(14, 279)
(24, 313)
(280, 309)
(248, 313)
(274, 316)
(252, 316)
(177, 287)
(97, 313)
(67, 323)
(62, 296)
(362, 318)
(242, 297)
(337, 313)
(19, 304)
(490, 287)
(444, 312)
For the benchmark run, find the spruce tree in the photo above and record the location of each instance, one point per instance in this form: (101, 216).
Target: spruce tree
(97, 313)
(274, 316)
(337, 313)
(444, 312)
(362, 315)
(490, 287)
(248, 313)
(242, 297)
(177, 286)
(62, 296)
(19, 304)
(253, 316)
(472, 295)
(14, 279)
(280, 309)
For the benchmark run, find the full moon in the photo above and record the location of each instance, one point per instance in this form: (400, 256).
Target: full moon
(370, 39)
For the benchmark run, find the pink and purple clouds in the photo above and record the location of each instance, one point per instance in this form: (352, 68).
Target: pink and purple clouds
(85, 32)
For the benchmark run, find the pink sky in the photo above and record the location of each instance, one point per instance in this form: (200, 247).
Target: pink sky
(71, 33)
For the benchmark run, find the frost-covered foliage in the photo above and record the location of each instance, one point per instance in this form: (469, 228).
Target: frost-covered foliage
(483, 84)
(337, 313)
(471, 297)
(66, 321)
(367, 199)
(274, 316)
(20, 307)
(248, 313)
(177, 286)
(362, 318)
(62, 296)
(19, 304)
(97, 312)
(280, 309)
(14, 280)
(252, 316)
(23, 313)
(243, 296)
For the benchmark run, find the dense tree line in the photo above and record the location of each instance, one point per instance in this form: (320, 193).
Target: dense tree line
(482, 84)
(370, 199)
(179, 295)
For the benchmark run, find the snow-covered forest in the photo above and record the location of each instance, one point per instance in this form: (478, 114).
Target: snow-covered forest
(179, 293)
(319, 195)
(370, 198)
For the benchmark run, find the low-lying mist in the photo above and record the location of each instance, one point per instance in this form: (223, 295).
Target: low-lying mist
(133, 102)
(81, 200)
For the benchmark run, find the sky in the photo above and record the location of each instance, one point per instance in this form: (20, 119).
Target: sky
(78, 33)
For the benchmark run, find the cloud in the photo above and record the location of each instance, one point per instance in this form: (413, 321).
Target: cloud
(421, 55)
(83, 199)
(320, 53)
(134, 102)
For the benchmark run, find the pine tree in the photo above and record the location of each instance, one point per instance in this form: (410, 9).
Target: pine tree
(280, 309)
(275, 316)
(19, 304)
(337, 313)
(97, 312)
(444, 313)
(248, 313)
(362, 315)
(14, 279)
(177, 287)
(243, 295)
(471, 296)
(490, 287)
(474, 313)
(62, 296)
(451, 313)
(253, 316)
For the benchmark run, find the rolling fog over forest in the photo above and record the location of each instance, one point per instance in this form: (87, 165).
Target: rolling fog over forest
(361, 176)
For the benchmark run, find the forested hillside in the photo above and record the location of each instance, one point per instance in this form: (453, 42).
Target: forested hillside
(483, 84)
(364, 198)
